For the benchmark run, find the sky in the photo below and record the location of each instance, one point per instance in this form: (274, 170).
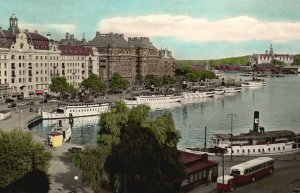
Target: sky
(191, 29)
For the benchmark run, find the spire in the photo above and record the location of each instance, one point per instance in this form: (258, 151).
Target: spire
(271, 50)
(13, 24)
(83, 37)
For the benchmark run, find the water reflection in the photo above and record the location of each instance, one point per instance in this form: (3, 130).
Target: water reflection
(277, 102)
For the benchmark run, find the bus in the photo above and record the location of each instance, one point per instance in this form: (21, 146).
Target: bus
(246, 172)
(251, 170)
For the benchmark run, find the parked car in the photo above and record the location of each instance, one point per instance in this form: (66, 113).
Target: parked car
(9, 100)
(30, 103)
(11, 105)
(44, 101)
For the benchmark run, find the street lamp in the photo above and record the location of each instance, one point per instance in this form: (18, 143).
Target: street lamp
(231, 118)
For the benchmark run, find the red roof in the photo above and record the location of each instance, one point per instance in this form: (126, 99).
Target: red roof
(199, 165)
(76, 50)
(188, 157)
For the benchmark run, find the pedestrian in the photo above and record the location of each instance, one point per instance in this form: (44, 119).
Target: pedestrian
(209, 175)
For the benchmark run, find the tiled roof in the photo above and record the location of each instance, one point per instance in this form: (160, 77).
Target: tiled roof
(38, 41)
(75, 50)
(109, 40)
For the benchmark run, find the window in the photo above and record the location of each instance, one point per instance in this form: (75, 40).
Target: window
(253, 150)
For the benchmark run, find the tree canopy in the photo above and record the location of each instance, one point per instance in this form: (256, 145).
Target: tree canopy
(94, 84)
(194, 75)
(60, 84)
(20, 157)
(157, 81)
(118, 83)
(296, 59)
(134, 153)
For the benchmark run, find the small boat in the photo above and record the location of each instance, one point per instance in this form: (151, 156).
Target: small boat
(253, 84)
(153, 99)
(197, 94)
(65, 111)
(219, 91)
(232, 89)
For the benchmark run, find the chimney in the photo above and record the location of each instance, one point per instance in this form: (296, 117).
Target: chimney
(49, 36)
(26, 30)
(97, 34)
(36, 31)
(0, 28)
(256, 121)
(67, 36)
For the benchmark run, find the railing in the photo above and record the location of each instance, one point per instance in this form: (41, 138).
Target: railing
(33, 121)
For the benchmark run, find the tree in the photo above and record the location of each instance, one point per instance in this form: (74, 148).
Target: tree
(60, 84)
(94, 84)
(20, 157)
(278, 62)
(134, 150)
(296, 59)
(152, 79)
(168, 80)
(118, 83)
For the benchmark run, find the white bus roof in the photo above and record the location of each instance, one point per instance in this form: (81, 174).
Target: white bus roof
(226, 179)
(251, 163)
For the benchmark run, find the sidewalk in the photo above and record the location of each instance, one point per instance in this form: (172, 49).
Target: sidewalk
(62, 169)
(211, 187)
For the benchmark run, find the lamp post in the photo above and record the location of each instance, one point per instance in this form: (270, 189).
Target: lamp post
(231, 118)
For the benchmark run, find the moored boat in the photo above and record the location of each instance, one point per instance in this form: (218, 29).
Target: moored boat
(153, 99)
(64, 111)
(219, 91)
(253, 84)
(197, 94)
(258, 142)
(232, 89)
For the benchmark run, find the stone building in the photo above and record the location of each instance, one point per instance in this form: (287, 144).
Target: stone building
(28, 61)
(269, 56)
(132, 59)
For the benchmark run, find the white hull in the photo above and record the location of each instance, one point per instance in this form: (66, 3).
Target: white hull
(80, 110)
(232, 90)
(253, 84)
(219, 91)
(151, 100)
(266, 149)
(194, 95)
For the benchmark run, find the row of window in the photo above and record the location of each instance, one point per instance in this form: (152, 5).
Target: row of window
(198, 176)
(30, 57)
(258, 167)
(259, 150)
(88, 110)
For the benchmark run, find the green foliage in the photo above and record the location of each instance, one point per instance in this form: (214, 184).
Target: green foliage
(19, 155)
(278, 62)
(195, 75)
(152, 79)
(94, 84)
(118, 83)
(168, 80)
(60, 84)
(297, 59)
(135, 150)
(241, 60)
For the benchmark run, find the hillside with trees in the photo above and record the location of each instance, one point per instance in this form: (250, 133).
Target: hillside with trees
(241, 60)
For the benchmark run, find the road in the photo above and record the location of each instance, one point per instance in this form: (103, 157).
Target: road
(285, 178)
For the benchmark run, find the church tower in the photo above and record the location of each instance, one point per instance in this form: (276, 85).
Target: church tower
(13, 24)
(271, 51)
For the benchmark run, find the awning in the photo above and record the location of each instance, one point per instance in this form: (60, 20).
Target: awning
(16, 94)
(39, 91)
(31, 92)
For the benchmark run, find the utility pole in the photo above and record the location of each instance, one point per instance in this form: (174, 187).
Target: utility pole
(231, 118)
(205, 138)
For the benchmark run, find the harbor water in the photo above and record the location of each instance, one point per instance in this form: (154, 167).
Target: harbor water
(278, 103)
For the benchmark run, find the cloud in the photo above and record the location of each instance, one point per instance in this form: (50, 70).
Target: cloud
(187, 28)
(61, 28)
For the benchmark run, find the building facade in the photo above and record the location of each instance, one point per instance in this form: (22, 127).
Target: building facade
(132, 59)
(28, 61)
(269, 56)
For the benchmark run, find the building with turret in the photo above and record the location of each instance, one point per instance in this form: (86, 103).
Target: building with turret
(269, 56)
(28, 61)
